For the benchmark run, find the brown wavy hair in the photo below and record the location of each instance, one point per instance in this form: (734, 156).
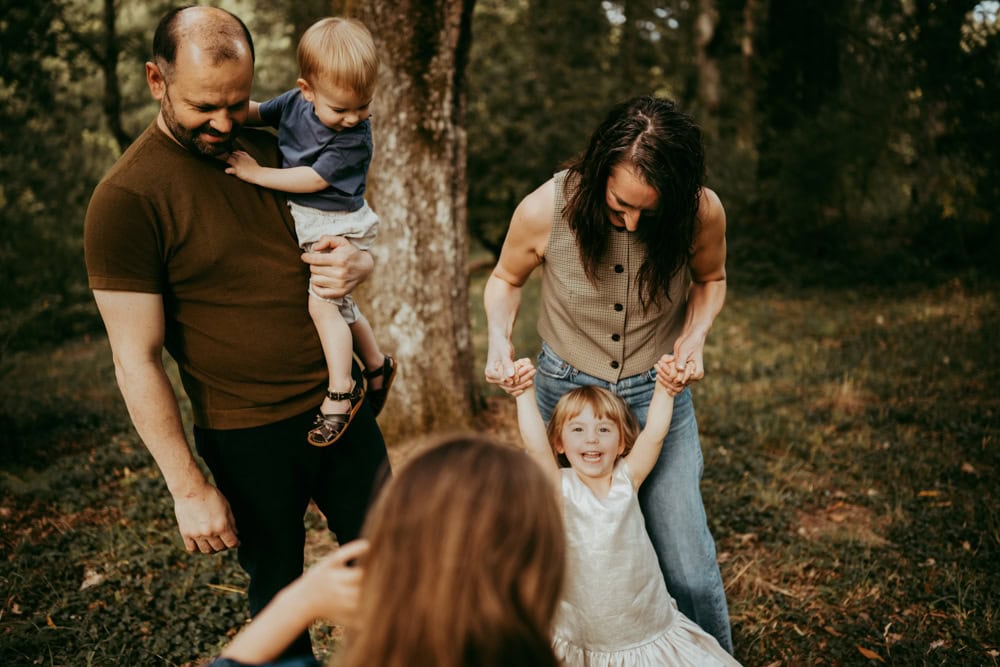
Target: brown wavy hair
(663, 145)
(604, 404)
(466, 562)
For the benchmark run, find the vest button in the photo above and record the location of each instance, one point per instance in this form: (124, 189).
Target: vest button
(616, 337)
(619, 307)
(614, 364)
(619, 268)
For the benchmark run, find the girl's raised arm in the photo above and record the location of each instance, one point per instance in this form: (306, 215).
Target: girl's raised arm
(529, 419)
(646, 449)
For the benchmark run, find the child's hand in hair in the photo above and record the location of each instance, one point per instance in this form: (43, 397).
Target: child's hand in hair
(331, 589)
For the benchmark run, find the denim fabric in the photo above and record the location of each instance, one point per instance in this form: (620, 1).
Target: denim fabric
(670, 497)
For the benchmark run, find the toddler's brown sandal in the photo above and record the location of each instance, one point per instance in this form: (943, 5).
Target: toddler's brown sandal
(330, 426)
(377, 397)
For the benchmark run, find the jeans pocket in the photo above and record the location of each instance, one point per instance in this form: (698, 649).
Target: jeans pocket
(552, 366)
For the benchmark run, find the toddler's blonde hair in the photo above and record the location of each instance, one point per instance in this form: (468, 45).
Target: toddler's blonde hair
(339, 51)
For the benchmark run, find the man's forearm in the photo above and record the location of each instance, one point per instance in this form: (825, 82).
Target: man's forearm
(153, 408)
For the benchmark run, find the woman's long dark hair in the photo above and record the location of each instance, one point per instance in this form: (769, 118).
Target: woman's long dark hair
(663, 146)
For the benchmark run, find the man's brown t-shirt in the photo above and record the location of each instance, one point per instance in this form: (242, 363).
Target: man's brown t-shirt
(224, 257)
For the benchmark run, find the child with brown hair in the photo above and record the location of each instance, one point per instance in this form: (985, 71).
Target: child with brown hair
(325, 137)
(615, 609)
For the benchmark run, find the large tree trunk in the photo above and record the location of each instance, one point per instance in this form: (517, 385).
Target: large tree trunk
(418, 300)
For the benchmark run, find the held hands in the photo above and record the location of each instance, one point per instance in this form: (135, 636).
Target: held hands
(205, 521)
(686, 365)
(523, 378)
(666, 368)
(337, 266)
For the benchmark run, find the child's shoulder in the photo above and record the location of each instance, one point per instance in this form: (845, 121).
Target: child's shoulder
(277, 108)
(287, 97)
(623, 472)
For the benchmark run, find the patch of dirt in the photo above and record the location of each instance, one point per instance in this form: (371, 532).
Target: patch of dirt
(843, 522)
(38, 522)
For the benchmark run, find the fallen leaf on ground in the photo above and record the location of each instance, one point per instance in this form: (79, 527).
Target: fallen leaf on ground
(868, 653)
(91, 578)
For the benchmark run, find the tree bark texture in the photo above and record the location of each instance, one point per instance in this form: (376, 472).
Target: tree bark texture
(418, 295)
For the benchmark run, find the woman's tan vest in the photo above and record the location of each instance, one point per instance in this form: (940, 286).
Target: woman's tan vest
(602, 329)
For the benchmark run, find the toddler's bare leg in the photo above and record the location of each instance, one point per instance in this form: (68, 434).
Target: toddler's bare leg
(335, 337)
(367, 347)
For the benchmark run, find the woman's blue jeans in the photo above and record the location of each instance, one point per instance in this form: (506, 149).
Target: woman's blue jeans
(670, 497)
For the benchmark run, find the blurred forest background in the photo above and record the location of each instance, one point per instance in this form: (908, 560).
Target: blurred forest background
(851, 142)
(849, 418)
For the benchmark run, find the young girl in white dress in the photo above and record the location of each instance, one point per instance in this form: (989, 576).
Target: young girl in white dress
(615, 609)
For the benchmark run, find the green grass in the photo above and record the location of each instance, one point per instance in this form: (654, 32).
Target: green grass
(850, 443)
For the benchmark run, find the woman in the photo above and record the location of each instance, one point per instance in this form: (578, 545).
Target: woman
(462, 566)
(634, 249)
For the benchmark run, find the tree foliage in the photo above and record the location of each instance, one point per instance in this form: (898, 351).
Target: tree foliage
(849, 141)
(44, 180)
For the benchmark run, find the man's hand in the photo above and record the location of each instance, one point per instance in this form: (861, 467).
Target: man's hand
(205, 521)
(337, 266)
(242, 166)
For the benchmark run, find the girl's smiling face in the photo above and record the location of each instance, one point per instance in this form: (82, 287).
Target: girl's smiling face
(591, 444)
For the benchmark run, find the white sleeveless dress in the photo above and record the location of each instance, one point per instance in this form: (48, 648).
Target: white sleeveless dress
(616, 611)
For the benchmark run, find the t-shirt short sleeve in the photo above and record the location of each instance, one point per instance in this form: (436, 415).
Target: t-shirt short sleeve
(122, 245)
(270, 111)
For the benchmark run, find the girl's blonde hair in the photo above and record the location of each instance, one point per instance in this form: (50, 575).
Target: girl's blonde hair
(339, 51)
(466, 562)
(604, 405)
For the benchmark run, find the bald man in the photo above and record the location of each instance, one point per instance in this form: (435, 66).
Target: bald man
(183, 257)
